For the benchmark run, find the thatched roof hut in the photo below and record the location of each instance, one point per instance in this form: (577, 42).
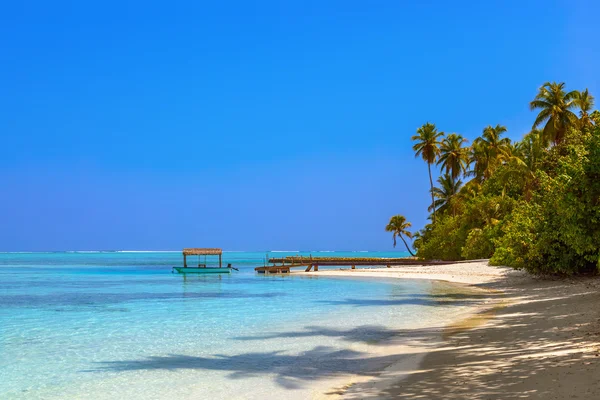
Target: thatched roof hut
(194, 251)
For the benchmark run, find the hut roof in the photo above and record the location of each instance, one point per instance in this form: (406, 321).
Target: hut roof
(202, 252)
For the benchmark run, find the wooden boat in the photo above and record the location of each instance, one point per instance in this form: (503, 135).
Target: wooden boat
(202, 268)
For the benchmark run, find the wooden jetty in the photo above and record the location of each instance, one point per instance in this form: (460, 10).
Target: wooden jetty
(283, 265)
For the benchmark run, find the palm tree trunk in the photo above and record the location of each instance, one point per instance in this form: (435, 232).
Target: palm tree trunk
(406, 244)
(431, 191)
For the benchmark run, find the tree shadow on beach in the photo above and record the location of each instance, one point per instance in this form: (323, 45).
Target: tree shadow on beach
(431, 300)
(322, 362)
(378, 333)
(368, 334)
(530, 341)
(502, 358)
(290, 371)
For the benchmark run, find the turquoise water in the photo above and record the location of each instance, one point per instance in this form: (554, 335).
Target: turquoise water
(121, 325)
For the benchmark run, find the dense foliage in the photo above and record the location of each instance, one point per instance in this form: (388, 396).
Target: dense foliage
(532, 204)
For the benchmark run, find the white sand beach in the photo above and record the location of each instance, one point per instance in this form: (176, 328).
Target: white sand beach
(531, 338)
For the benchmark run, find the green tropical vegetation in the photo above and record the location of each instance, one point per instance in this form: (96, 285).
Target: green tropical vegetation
(532, 204)
(454, 157)
(446, 194)
(399, 228)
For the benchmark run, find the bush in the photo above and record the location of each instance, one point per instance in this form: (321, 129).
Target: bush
(545, 221)
(477, 245)
(558, 232)
(443, 241)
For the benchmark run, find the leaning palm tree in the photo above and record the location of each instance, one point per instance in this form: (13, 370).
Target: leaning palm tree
(489, 151)
(585, 102)
(446, 193)
(454, 158)
(399, 227)
(427, 146)
(555, 111)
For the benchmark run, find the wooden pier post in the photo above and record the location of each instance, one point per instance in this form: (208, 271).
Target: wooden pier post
(354, 267)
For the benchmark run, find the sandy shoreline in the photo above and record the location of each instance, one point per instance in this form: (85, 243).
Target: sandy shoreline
(531, 338)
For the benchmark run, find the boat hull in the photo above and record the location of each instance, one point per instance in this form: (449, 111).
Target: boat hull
(203, 270)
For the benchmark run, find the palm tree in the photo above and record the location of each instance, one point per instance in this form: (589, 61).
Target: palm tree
(454, 158)
(480, 159)
(555, 105)
(399, 227)
(524, 160)
(489, 151)
(446, 193)
(530, 149)
(585, 102)
(427, 146)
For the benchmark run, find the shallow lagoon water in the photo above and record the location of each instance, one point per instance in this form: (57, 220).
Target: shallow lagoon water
(106, 325)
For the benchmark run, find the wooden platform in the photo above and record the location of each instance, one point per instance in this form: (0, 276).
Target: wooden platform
(274, 269)
(283, 265)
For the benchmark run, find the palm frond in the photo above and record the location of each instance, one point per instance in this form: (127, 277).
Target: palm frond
(542, 116)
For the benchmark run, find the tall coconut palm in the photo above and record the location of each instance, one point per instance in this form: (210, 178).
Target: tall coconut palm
(454, 158)
(489, 151)
(585, 102)
(555, 106)
(428, 147)
(399, 227)
(446, 193)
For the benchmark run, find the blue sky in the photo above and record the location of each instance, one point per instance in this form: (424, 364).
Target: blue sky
(271, 125)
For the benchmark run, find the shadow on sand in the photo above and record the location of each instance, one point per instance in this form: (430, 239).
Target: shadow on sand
(509, 354)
